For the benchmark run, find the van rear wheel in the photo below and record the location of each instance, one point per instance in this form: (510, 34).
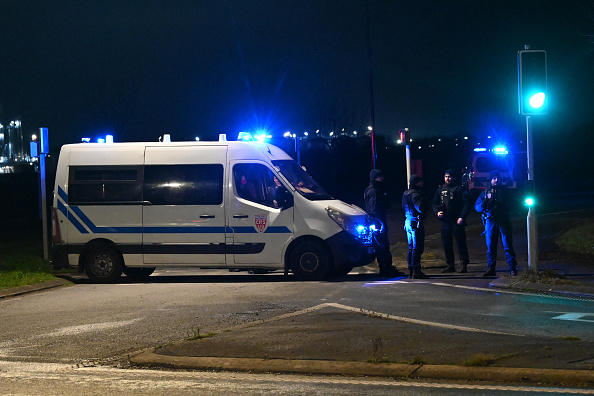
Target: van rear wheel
(103, 265)
(310, 261)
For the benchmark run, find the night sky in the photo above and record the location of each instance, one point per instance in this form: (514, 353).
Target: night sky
(139, 69)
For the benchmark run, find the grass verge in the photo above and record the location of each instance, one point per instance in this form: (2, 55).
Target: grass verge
(578, 240)
(21, 260)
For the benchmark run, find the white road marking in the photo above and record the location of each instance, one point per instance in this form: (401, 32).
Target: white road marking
(368, 313)
(486, 289)
(577, 316)
(72, 330)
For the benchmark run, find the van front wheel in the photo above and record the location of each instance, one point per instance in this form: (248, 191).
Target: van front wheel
(310, 261)
(103, 265)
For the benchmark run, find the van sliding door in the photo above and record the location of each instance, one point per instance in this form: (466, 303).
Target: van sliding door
(183, 211)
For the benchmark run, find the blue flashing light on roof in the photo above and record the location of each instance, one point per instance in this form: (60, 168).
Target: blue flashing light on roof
(86, 140)
(100, 140)
(479, 149)
(500, 150)
(262, 137)
(245, 137)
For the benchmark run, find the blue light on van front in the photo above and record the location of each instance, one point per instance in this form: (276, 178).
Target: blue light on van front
(500, 150)
(480, 149)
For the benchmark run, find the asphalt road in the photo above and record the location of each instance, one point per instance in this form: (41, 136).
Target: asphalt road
(444, 320)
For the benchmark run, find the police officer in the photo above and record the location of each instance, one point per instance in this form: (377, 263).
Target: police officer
(415, 205)
(494, 204)
(451, 205)
(376, 205)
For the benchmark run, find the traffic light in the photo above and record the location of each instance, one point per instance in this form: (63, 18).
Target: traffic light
(532, 82)
(529, 199)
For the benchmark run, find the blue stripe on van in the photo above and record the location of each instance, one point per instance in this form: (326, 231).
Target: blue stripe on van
(184, 230)
(252, 230)
(72, 219)
(154, 230)
(104, 230)
(62, 194)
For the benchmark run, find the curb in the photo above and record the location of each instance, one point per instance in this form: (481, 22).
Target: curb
(581, 290)
(15, 291)
(576, 378)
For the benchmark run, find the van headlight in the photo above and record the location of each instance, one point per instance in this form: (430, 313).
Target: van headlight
(358, 226)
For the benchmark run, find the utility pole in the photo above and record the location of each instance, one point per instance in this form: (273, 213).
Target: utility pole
(405, 138)
(371, 103)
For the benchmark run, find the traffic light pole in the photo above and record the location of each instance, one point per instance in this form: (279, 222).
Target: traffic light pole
(532, 232)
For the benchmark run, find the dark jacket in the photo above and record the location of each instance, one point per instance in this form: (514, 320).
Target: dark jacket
(415, 203)
(494, 203)
(453, 200)
(376, 201)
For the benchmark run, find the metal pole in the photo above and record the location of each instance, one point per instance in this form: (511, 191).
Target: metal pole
(371, 103)
(408, 156)
(44, 206)
(532, 232)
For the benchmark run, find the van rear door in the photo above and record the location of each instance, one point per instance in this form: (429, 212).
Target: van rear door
(183, 210)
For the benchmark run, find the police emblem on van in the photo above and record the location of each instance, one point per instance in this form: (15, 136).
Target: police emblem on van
(260, 221)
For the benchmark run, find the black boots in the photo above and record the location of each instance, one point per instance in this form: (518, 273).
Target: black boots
(390, 272)
(490, 272)
(464, 268)
(418, 274)
(449, 268)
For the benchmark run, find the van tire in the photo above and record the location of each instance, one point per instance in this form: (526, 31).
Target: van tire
(103, 265)
(138, 274)
(310, 261)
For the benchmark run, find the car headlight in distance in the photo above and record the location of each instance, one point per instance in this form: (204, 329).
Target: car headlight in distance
(358, 226)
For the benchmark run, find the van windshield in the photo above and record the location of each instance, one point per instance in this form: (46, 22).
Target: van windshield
(302, 182)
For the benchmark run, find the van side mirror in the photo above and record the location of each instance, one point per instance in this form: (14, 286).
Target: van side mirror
(284, 198)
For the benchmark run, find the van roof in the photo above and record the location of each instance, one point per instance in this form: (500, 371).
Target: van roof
(236, 149)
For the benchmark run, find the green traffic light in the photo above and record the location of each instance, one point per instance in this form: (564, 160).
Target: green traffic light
(537, 100)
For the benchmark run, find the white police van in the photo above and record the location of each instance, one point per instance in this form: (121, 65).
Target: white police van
(132, 207)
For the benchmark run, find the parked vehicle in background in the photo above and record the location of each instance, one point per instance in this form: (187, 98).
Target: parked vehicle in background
(132, 207)
(483, 161)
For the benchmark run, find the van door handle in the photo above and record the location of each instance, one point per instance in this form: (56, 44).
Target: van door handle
(207, 216)
(240, 216)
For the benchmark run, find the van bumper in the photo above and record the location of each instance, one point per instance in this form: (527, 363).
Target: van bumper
(348, 251)
(60, 256)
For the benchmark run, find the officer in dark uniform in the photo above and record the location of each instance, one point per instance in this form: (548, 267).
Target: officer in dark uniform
(494, 204)
(451, 205)
(415, 205)
(376, 205)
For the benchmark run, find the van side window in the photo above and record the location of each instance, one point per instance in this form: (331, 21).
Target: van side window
(183, 184)
(104, 185)
(256, 183)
